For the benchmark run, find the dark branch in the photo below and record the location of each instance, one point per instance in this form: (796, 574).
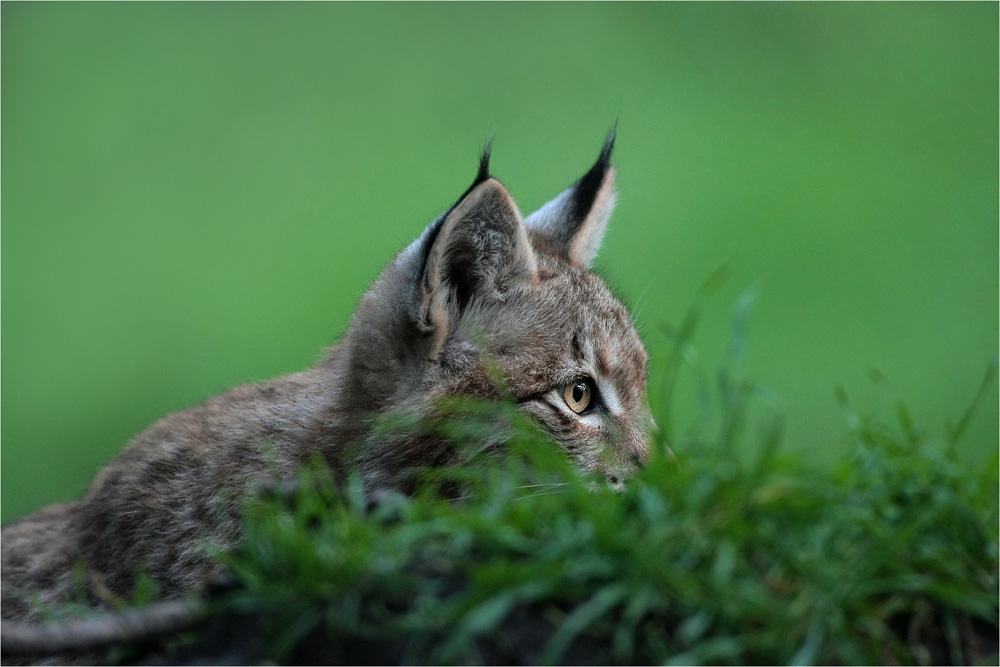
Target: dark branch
(133, 625)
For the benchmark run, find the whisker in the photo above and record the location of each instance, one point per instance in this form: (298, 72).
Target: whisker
(451, 500)
(540, 493)
(545, 488)
(641, 300)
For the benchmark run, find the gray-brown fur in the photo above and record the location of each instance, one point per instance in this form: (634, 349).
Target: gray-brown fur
(480, 283)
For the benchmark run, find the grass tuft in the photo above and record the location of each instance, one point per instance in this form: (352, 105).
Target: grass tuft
(890, 556)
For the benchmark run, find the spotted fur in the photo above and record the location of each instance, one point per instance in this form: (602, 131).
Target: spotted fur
(480, 283)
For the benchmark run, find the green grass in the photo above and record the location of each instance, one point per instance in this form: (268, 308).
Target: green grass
(732, 553)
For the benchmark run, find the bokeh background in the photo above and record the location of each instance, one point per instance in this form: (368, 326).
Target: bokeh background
(195, 195)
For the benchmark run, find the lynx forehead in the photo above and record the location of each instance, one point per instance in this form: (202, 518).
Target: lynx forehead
(481, 287)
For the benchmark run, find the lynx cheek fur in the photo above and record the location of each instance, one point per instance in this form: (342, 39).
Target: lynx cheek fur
(479, 281)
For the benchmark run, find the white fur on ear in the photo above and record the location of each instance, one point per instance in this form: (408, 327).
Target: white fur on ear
(579, 240)
(573, 224)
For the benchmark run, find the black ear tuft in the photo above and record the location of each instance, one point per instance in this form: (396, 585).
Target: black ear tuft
(484, 162)
(586, 188)
(484, 171)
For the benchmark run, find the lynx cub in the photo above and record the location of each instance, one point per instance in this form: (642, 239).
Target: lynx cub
(479, 280)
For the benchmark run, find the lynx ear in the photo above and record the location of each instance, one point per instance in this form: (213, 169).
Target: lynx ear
(573, 223)
(477, 251)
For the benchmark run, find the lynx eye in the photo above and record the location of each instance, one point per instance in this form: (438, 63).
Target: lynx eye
(579, 395)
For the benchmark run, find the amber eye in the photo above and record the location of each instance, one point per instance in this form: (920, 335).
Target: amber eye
(578, 395)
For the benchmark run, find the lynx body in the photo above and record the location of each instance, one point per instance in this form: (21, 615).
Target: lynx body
(479, 281)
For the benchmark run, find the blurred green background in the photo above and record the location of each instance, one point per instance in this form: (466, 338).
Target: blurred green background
(195, 195)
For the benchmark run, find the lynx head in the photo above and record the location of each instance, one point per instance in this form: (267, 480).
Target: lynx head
(482, 285)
